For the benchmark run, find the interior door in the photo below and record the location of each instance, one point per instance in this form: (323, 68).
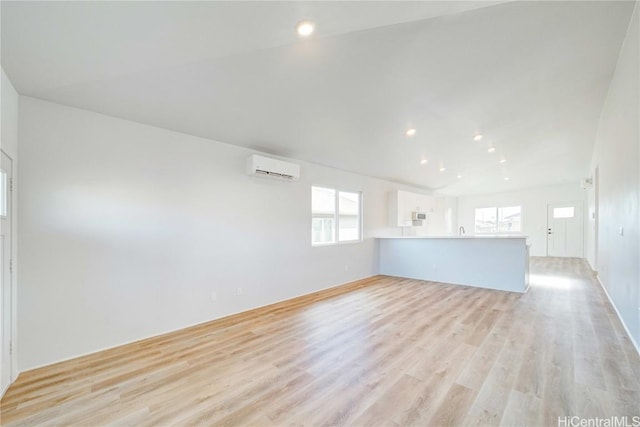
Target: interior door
(5, 271)
(564, 230)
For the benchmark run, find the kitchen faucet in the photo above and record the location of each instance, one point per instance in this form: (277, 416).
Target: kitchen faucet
(461, 231)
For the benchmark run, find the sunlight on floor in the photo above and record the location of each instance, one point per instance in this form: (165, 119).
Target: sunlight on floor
(552, 281)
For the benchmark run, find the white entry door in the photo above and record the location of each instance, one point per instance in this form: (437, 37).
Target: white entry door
(5, 271)
(564, 229)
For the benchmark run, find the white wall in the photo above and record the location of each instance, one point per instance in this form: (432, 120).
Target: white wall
(9, 144)
(617, 156)
(126, 230)
(534, 203)
(9, 123)
(443, 218)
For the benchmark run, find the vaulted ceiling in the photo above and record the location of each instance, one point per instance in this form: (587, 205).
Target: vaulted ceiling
(531, 77)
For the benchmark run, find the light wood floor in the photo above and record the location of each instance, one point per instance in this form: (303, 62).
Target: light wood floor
(384, 351)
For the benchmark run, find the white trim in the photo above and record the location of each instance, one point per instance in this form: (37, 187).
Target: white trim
(6, 388)
(635, 344)
(12, 201)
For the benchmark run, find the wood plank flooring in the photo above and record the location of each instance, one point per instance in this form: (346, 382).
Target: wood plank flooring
(382, 351)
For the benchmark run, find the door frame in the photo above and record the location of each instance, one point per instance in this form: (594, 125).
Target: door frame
(11, 199)
(579, 204)
(596, 206)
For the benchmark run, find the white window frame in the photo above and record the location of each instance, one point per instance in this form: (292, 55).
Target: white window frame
(336, 214)
(496, 231)
(573, 212)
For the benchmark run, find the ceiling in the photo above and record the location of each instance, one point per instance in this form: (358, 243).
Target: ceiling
(531, 77)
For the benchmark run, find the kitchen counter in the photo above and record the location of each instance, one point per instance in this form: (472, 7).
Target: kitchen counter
(485, 261)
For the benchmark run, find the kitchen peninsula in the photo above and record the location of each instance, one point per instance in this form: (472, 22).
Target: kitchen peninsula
(493, 262)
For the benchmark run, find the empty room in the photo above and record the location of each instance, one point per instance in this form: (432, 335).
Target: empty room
(320, 213)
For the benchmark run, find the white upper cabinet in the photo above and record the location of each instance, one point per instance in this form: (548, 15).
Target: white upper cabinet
(441, 212)
(403, 203)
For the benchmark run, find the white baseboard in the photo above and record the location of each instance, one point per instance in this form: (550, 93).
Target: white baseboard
(170, 331)
(624, 325)
(14, 377)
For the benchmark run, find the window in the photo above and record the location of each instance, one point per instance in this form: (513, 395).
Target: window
(568, 212)
(335, 216)
(323, 213)
(498, 220)
(486, 220)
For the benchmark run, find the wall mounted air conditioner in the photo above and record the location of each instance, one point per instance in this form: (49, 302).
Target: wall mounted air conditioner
(272, 168)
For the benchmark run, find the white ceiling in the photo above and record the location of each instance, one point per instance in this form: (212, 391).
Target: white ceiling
(530, 76)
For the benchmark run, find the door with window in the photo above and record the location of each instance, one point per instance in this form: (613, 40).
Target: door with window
(5, 270)
(564, 230)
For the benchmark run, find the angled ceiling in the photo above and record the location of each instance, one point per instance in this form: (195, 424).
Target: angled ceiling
(530, 76)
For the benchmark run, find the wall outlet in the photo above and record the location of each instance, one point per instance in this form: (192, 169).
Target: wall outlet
(621, 231)
(238, 291)
(214, 296)
(346, 267)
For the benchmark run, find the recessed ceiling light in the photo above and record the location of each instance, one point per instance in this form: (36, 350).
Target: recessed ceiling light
(506, 178)
(305, 28)
(411, 132)
(459, 176)
(423, 161)
(491, 149)
(478, 137)
(442, 169)
(503, 161)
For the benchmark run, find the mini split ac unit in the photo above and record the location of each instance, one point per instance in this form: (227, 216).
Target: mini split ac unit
(272, 168)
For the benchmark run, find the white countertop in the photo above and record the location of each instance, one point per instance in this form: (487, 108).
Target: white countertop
(475, 236)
